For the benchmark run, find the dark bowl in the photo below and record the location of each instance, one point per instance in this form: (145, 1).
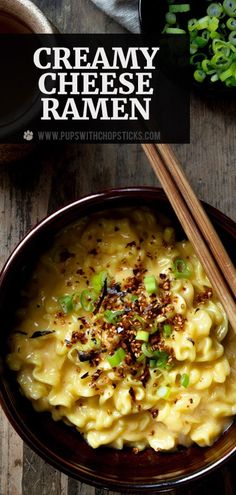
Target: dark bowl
(61, 445)
(152, 20)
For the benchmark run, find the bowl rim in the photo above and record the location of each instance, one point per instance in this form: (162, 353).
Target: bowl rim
(26, 9)
(14, 418)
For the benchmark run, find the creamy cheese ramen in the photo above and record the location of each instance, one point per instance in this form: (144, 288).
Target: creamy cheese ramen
(120, 334)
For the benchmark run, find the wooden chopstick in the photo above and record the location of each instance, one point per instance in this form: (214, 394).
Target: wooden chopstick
(190, 225)
(204, 223)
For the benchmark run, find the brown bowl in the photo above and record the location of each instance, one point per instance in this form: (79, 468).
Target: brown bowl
(62, 446)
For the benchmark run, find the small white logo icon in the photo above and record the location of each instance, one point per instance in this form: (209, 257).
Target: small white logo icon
(28, 135)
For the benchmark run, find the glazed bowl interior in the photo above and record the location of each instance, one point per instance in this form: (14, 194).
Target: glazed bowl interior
(61, 445)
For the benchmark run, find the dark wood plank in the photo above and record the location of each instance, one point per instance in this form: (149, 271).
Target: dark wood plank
(38, 476)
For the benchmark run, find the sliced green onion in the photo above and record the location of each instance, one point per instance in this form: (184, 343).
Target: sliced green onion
(214, 77)
(92, 344)
(206, 66)
(231, 82)
(181, 269)
(87, 299)
(231, 24)
(169, 366)
(220, 61)
(76, 301)
(98, 281)
(230, 7)
(117, 357)
(202, 23)
(154, 329)
(163, 392)
(205, 35)
(199, 75)
(193, 48)
(147, 351)
(215, 10)
(66, 303)
(228, 73)
(167, 330)
(192, 25)
(197, 59)
(213, 24)
(215, 34)
(201, 41)
(170, 18)
(150, 284)
(162, 358)
(142, 335)
(152, 363)
(184, 7)
(112, 316)
(134, 298)
(141, 358)
(221, 46)
(172, 30)
(193, 35)
(232, 38)
(139, 318)
(184, 380)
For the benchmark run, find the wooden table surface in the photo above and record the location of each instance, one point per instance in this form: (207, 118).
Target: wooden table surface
(54, 176)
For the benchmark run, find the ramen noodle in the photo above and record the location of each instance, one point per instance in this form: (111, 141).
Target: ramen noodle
(120, 334)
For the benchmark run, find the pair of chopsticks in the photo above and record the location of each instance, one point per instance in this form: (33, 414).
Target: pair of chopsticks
(196, 224)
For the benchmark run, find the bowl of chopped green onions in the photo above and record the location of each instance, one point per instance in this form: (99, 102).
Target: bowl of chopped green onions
(211, 30)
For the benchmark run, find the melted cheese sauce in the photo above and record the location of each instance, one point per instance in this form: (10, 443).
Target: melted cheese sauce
(186, 395)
